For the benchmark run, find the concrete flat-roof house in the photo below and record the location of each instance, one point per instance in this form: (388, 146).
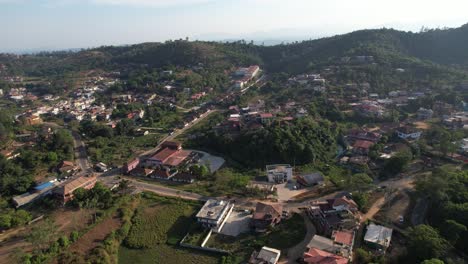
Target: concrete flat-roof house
(378, 236)
(279, 173)
(265, 256)
(214, 214)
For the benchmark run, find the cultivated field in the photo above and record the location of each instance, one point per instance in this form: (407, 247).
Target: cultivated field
(157, 227)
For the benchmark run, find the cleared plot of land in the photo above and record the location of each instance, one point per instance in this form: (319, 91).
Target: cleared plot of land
(158, 226)
(67, 220)
(394, 208)
(96, 235)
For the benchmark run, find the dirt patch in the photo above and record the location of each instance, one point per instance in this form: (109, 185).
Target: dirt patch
(394, 207)
(422, 125)
(68, 220)
(8, 248)
(96, 235)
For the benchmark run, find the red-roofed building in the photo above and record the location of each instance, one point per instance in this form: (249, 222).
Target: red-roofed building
(131, 165)
(362, 147)
(265, 118)
(317, 256)
(343, 237)
(170, 154)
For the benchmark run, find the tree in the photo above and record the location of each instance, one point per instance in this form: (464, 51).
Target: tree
(5, 221)
(426, 243)
(42, 235)
(397, 163)
(362, 256)
(20, 217)
(452, 230)
(360, 181)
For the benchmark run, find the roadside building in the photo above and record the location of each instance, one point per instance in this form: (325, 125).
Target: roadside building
(265, 256)
(65, 192)
(279, 173)
(184, 177)
(214, 213)
(66, 166)
(266, 215)
(311, 179)
(130, 165)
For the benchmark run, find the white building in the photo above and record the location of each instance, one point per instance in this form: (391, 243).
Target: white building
(279, 173)
(378, 236)
(409, 133)
(265, 256)
(214, 214)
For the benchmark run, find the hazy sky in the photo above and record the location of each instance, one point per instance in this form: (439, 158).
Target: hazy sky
(59, 24)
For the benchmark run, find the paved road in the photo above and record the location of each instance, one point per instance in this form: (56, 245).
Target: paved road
(178, 132)
(81, 157)
(298, 250)
(166, 191)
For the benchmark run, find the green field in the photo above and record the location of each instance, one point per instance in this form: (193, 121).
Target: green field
(157, 227)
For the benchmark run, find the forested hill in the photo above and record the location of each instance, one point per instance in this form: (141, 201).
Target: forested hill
(388, 46)
(447, 46)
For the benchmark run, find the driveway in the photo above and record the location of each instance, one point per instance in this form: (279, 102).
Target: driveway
(286, 191)
(298, 250)
(237, 223)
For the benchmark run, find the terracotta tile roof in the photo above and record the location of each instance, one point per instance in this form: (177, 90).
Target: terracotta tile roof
(177, 158)
(264, 209)
(77, 183)
(364, 144)
(343, 237)
(164, 154)
(317, 256)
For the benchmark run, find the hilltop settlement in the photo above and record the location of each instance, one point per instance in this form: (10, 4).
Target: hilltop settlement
(233, 155)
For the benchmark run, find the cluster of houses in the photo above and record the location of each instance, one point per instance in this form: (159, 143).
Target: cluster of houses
(314, 81)
(255, 116)
(61, 189)
(168, 163)
(337, 222)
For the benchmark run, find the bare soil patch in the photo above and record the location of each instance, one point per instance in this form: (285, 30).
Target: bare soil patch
(68, 220)
(96, 235)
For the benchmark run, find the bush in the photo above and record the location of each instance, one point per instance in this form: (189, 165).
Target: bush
(74, 236)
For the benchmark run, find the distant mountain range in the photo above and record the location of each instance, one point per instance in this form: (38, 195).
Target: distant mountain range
(398, 48)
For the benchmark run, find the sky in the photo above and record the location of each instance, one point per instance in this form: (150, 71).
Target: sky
(33, 25)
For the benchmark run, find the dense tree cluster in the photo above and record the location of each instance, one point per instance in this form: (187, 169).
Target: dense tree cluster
(447, 192)
(302, 142)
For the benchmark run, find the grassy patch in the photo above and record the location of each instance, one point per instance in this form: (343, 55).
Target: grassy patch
(120, 149)
(165, 254)
(157, 227)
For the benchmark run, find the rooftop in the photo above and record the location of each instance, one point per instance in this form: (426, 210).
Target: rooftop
(317, 256)
(378, 235)
(177, 158)
(267, 255)
(343, 237)
(213, 209)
